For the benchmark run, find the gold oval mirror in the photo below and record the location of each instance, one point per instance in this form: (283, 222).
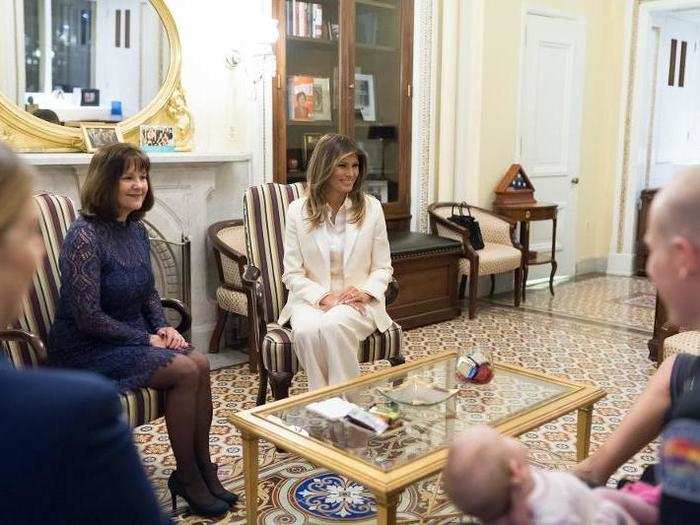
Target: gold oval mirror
(78, 61)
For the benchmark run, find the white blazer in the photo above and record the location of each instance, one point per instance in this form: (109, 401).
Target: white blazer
(366, 260)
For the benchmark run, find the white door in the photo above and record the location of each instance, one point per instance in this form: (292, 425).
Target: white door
(675, 138)
(550, 129)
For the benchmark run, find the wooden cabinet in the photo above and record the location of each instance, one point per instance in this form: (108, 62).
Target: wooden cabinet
(346, 66)
(640, 249)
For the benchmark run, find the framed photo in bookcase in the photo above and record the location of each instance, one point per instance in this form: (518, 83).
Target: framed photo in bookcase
(345, 66)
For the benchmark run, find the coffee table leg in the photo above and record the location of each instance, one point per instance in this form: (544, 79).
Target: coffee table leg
(386, 508)
(583, 438)
(250, 469)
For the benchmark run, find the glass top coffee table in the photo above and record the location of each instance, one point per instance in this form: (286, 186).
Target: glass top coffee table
(514, 402)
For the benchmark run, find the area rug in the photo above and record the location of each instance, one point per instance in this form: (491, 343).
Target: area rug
(294, 492)
(611, 358)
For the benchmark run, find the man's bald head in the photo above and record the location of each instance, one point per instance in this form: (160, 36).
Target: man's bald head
(676, 208)
(673, 239)
(477, 474)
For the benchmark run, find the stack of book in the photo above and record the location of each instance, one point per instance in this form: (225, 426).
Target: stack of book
(305, 19)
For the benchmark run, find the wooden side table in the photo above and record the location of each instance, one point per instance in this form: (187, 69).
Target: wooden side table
(524, 214)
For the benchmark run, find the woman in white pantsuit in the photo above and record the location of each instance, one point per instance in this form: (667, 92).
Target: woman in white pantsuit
(337, 264)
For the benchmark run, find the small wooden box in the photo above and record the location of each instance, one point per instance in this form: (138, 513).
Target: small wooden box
(515, 187)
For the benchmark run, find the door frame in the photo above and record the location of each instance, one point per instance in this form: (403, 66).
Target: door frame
(632, 138)
(577, 107)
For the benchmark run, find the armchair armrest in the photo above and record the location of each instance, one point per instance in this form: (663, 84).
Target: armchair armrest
(436, 220)
(36, 345)
(180, 308)
(392, 291)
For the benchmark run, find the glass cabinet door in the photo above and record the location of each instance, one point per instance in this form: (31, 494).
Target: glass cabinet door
(312, 95)
(377, 105)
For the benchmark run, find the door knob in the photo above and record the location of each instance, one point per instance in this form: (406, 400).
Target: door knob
(574, 180)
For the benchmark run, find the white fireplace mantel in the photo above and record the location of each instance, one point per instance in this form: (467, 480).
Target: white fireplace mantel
(192, 191)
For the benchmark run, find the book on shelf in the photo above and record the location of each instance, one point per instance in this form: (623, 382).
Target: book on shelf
(305, 19)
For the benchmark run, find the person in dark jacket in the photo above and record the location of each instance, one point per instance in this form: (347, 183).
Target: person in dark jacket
(68, 457)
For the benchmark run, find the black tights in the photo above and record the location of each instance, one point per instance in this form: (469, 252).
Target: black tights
(188, 416)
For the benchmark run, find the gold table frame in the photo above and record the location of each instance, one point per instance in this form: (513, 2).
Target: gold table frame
(388, 485)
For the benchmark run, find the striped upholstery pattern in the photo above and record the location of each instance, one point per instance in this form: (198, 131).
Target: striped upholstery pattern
(56, 213)
(142, 405)
(264, 212)
(278, 354)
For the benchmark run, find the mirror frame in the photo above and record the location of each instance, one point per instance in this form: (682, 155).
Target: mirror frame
(29, 134)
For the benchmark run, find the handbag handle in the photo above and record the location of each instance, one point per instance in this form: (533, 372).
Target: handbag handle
(460, 206)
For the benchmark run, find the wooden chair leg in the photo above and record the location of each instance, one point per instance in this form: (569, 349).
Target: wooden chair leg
(518, 286)
(280, 383)
(473, 290)
(253, 351)
(462, 286)
(215, 341)
(493, 284)
(262, 388)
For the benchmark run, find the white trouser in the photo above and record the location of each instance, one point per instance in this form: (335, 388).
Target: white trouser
(326, 343)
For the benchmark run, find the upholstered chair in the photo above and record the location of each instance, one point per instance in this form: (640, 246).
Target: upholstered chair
(501, 252)
(227, 239)
(24, 341)
(682, 342)
(265, 209)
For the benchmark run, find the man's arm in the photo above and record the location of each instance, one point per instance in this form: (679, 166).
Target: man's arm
(637, 429)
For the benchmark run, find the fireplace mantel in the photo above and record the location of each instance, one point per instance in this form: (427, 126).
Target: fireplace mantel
(192, 191)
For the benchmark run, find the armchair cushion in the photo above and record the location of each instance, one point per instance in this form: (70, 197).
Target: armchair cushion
(278, 347)
(683, 342)
(493, 229)
(233, 236)
(494, 258)
(232, 301)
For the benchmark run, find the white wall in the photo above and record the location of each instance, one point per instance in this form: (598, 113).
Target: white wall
(222, 101)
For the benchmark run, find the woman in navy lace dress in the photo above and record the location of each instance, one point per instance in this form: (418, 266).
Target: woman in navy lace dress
(110, 320)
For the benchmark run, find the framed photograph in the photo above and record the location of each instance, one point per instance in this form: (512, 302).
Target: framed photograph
(378, 189)
(364, 96)
(310, 140)
(157, 138)
(89, 97)
(300, 92)
(322, 99)
(99, 135)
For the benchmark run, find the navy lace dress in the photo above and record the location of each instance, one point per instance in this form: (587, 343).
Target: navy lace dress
(109, 306)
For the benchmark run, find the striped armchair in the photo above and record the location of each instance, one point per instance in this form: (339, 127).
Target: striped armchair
(264, 209)
(23, 342)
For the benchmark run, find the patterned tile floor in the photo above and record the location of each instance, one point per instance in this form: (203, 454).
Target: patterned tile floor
(571, 338)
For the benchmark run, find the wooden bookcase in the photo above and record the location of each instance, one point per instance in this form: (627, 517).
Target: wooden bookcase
(357, 55)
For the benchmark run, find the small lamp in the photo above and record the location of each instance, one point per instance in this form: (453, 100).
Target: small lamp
(384, 134)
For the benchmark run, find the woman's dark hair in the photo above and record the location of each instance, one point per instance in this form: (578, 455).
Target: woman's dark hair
(98, 197)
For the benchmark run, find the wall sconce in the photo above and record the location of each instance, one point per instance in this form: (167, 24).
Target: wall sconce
(253, 49)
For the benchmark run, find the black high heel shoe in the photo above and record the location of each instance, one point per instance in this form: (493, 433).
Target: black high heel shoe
(207, 510)
(214, 484)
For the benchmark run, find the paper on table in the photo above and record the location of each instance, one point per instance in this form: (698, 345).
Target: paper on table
(334, 408)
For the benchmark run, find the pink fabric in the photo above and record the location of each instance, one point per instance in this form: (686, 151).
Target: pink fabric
(649, 493)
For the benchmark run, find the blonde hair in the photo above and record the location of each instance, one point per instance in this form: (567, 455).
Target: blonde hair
(15, 187)
(330, 150)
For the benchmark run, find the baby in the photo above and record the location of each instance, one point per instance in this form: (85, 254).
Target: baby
(487, 476)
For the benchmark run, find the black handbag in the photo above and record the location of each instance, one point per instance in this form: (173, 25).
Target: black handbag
(468, 222)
